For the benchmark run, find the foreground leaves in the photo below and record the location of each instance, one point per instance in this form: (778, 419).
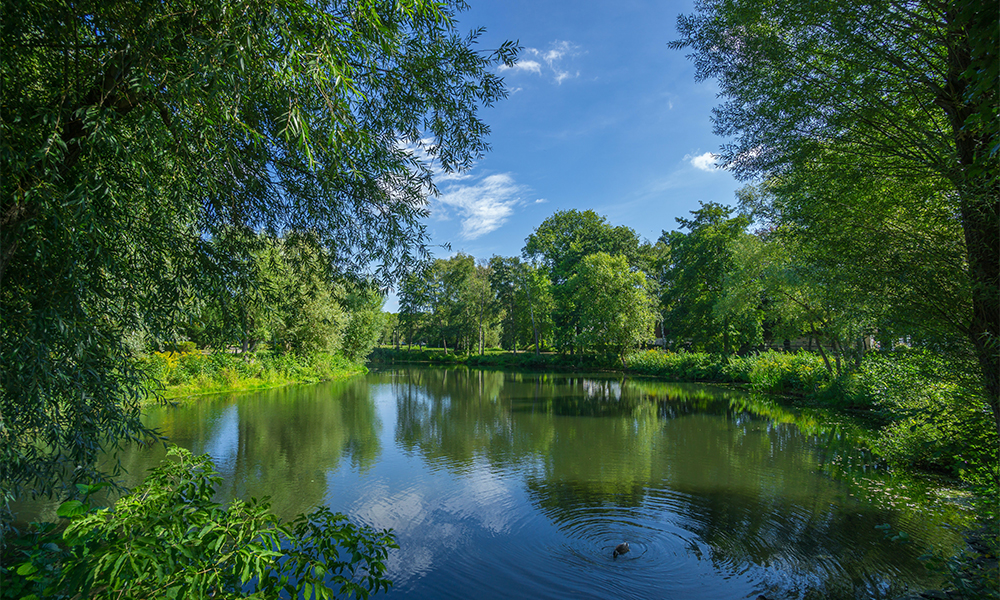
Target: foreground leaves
(168, 539)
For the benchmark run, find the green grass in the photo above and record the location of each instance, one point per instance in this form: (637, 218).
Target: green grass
(194, 373)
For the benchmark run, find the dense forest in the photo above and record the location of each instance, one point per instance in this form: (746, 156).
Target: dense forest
(249, 176)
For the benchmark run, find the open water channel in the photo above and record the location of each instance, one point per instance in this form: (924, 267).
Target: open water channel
(516, 485)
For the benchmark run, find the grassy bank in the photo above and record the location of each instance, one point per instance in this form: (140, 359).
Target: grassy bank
(193, 372)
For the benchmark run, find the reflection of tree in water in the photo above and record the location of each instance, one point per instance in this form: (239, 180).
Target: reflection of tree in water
(738, 471)
(450, 415)
(832, 548)
(281, 443)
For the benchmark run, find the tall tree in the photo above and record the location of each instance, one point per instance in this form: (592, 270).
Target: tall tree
(560, 243)
(134, 133)
(615, 305)
(694, 283)
(506, 276)
(912, 85)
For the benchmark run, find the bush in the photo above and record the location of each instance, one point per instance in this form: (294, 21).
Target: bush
(679, 366)
(933, 422)
(781, 372)
(199, 372)
(168, 539)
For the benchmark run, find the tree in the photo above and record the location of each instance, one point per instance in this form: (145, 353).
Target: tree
(694, 283)
(615, 308)
(135, 134)
(892, 247)
(479, 296)
(560, 243)
(414, 302)
(772, 277)
(365, 324)
(505, 280)
(911, 85)
(538, 297)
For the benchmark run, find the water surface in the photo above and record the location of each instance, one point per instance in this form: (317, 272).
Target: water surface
(507, 485)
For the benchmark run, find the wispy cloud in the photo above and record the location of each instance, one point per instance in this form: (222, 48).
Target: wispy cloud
(703, 162)
(530, 66)
(554, 59)
(483, 206)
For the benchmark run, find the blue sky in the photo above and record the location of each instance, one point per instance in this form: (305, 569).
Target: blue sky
(601, 115)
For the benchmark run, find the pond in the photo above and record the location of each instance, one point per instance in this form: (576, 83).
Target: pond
(505, 485)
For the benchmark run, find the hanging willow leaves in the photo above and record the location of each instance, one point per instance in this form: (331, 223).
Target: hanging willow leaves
(145, 145)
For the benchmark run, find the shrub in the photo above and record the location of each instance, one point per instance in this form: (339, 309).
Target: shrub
(780, 372)
(168, 539)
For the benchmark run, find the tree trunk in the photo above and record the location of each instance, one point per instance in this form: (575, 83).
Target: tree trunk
(978, 188)
(819, 345)
(481, 307)
(861, 353)
(725, 336)
(534, 326)
(836, 355)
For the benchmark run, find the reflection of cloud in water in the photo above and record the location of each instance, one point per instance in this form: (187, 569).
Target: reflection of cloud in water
(436, 518)
(223, 443)
(486, 497)
(409, 515)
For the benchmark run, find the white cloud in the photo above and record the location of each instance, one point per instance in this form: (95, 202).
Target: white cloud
(554, 57)
(704, 162)
(531, 66)
(484, 206)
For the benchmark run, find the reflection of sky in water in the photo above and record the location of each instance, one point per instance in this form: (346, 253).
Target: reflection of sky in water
(602, 389)
(435, 512)
(494, 502)
(223, 441)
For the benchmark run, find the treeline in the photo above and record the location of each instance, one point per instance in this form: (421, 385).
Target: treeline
(581, 288)
(727, 281)
(288, 300)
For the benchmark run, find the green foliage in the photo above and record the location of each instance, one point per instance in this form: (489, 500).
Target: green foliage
(148, 143)
(208, 372)
(559, 244)
(616, 311)
(932, 421)
(698, 312)
(168, 539)
(679, 366)
(365, 324)
(782, 372)
(509, 281)
(451, 303)
(877, 124)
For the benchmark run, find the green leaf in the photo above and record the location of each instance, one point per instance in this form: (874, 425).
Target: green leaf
(71, 508)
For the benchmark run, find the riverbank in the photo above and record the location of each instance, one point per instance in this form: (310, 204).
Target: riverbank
(177, 375)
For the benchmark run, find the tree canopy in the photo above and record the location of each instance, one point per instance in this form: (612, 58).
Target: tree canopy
(560, 244)
(145, 145)
(694, 283)
(870, 90)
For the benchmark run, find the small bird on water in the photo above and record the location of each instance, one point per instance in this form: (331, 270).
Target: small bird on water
(622, 548)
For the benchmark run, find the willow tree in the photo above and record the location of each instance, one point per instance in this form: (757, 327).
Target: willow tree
(904, 89)
(134, 133)
(616, 308)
